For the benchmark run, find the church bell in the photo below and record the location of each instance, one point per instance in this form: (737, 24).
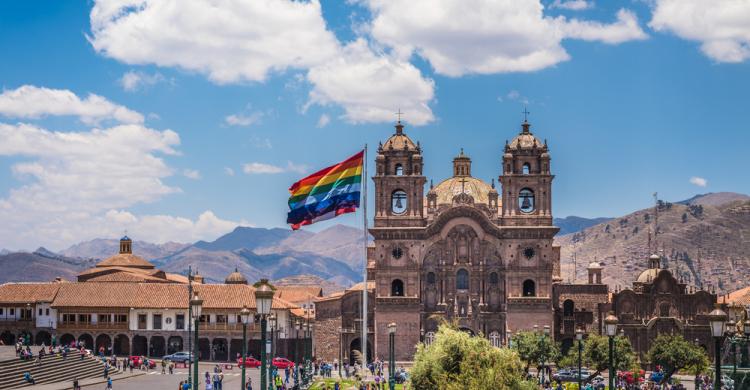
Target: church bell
(526, 204)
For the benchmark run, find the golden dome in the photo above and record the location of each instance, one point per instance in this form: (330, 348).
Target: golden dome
(453, 186)
(648, 275)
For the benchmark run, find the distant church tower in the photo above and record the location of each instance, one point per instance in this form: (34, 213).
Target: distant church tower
(526, 181)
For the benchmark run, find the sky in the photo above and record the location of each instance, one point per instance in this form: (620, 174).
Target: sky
(178, 120)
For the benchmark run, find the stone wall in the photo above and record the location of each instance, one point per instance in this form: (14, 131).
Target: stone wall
(326, 338)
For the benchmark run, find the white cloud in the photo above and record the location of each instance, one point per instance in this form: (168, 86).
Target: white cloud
(515, 96)
(165, 228)
(572, 5)
(323, 120)
(229, 42)
(78, 185)
(721, 27)
(132, 81)
(246, 40)
(243, 119)
(257, 168)
(31, 102)
(491, 36)
(699, 181)
(191, 174)
(372, 87)
(229, 171)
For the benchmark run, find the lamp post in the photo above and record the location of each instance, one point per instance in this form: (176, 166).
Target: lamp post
(263, 300)
(545, 335)
(391, 356)
(610, 325)
(716, 319)
(245, 317)
(297, 327)
(738, 337)
(272, 324)
(579, 337)
(197, 306)
(307, 374)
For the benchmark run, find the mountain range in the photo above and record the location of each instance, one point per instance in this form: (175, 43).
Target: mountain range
(704, 238)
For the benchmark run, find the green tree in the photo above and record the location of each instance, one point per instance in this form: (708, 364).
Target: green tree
(596, 353)
(674, 353)
(535, 348)
(457, 361)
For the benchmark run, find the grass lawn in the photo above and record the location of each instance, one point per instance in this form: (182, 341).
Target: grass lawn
(346, 384)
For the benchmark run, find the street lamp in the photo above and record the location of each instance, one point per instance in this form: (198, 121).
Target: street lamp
(610, 325)
(716, 319)
(263, 301)
(341, 336)
(738, 337)
(245, 317)
(196, 305)
(579, 337)
(391, 355)
(272, 323)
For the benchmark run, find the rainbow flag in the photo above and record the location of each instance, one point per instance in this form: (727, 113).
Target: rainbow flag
(327, 193)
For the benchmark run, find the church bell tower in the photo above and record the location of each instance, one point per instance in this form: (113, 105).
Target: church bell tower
(399, 183)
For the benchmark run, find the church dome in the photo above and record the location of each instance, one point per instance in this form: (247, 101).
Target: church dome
(399, 141)
(448, 188)
(125, 260)
(595, 265)
(235, 278)
(525, 140)
(648, 275)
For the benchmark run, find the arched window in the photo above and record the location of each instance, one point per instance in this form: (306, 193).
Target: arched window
(664, 309)
(430, 278)
(398, 202)
(526, 168)
(529, 288)
(397, 288)
(429, 338)
(568, 308)
(495, 339)
(399, 170)
(493, 278)
(462, 280)
(526, 200)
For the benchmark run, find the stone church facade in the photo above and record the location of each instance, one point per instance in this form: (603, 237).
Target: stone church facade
(464, 251)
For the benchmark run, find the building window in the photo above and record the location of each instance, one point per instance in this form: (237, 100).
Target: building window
(429, 338)
(205, 318)
(180, 322)
(221, 319)
(25, 314)
(12, 311)
(40, 311)
(397, 288)
(526, 168)
(430, 278)
(142, 321)
(84, 318)
(529, 288)
(398, 202)
(1, 311)
(568, 308)
(121, 318)
(495, 339)
(103, 318)
(462, 280)
(493, 278)
(68, 318)
(46, 312)
(399, 170)
(156, 321)
(526, 200)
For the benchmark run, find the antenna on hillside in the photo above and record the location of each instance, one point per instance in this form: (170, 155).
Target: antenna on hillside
(656, 221)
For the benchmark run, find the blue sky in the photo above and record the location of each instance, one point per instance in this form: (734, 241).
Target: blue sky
(204, 116)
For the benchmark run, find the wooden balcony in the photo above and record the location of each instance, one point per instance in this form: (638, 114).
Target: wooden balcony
(90, 326)
(18, 323)
(223, 327)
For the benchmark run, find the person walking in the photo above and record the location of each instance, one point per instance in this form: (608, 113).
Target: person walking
(163, 366)
(109, 383)
(279, 383)
(75, 384)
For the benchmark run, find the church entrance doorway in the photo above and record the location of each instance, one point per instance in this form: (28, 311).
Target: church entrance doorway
(355, 351)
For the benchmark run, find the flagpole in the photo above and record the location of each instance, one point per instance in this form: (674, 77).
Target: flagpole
(364, 244)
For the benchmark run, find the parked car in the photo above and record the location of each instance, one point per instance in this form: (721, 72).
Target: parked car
(249, 362)
(282, 363)
(179, 357)
(137, 361)
(570, 375)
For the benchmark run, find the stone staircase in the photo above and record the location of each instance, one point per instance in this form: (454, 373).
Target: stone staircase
(53, 369)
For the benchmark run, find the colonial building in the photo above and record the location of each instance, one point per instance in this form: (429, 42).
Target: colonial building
(658, 303)
(580, 305)
(465, 251)
(129, 307)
